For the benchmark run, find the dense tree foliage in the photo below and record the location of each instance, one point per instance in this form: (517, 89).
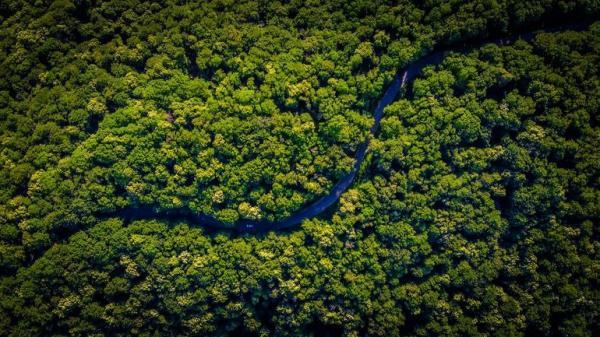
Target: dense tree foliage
(475, 213)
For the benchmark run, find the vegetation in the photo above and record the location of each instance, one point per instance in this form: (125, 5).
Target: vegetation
(475, 213)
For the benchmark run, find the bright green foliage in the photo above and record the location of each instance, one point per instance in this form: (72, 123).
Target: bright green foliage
(475, 212)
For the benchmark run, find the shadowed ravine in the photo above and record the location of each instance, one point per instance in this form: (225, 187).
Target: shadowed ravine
(318, 206)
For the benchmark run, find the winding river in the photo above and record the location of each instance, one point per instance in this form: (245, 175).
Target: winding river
(318, 206)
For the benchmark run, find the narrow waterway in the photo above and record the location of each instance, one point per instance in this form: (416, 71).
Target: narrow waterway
(315, 208)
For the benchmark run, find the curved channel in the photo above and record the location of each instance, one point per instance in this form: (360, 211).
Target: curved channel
(318, 206)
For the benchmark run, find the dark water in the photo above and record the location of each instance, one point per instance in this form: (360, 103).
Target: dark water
(318, 206)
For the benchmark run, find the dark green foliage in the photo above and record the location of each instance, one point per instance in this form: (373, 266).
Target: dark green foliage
(475, 213)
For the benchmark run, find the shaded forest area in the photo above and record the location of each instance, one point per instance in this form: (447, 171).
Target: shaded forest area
(475, 213)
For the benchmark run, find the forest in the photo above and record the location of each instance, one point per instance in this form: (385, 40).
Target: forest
(475, 211)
